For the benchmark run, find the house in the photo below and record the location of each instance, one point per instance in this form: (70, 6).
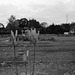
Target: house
(66, 33)
(72, 32)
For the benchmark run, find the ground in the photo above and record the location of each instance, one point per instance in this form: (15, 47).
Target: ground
(54, 56)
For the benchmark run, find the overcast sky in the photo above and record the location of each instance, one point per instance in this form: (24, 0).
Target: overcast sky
(50, 11)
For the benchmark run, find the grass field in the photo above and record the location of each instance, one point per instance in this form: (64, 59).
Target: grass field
(53, 57)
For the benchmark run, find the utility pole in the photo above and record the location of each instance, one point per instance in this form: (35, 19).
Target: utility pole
(66, 18)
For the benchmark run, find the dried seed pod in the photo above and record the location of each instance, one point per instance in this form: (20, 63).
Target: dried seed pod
(15, 42)
(32, 35)
(27, 53)
(12, 34)
(14, 37)
(24, 57)
(16, 34)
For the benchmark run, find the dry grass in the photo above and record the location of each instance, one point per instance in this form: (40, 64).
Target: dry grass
(52, 57)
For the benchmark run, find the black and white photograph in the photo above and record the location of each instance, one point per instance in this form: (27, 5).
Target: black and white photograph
(37, 37)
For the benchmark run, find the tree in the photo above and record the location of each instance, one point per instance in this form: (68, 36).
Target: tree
(44, 24)
(2, 29)
(66, 27)
(11, 19)
(23, 22)
(34, 24)
(1, 25)
(72, 26)
(58, 29)
(50, 29)
(12, 24)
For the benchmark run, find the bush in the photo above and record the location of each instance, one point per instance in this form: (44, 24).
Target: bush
(22, 38)
(52, 39)
(47, 39)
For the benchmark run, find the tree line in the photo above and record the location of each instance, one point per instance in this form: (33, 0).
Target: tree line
(23, 23)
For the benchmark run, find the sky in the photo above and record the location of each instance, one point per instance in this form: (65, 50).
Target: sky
(50, 11)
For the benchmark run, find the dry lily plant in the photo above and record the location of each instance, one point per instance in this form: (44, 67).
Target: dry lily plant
(25, 58)
(14, 37)
(32, 36)
(14, 43)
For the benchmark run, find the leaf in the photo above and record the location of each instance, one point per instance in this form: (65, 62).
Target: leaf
(15, 42)
(27, 53)
(12, 34)
(16, 33)
(24, 57)
(35, 35)
(32, 35)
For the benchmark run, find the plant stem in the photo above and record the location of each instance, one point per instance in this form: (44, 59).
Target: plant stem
(26, 68)
(34, 61)
(14, 52)
(15, 60)
(16, 69)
